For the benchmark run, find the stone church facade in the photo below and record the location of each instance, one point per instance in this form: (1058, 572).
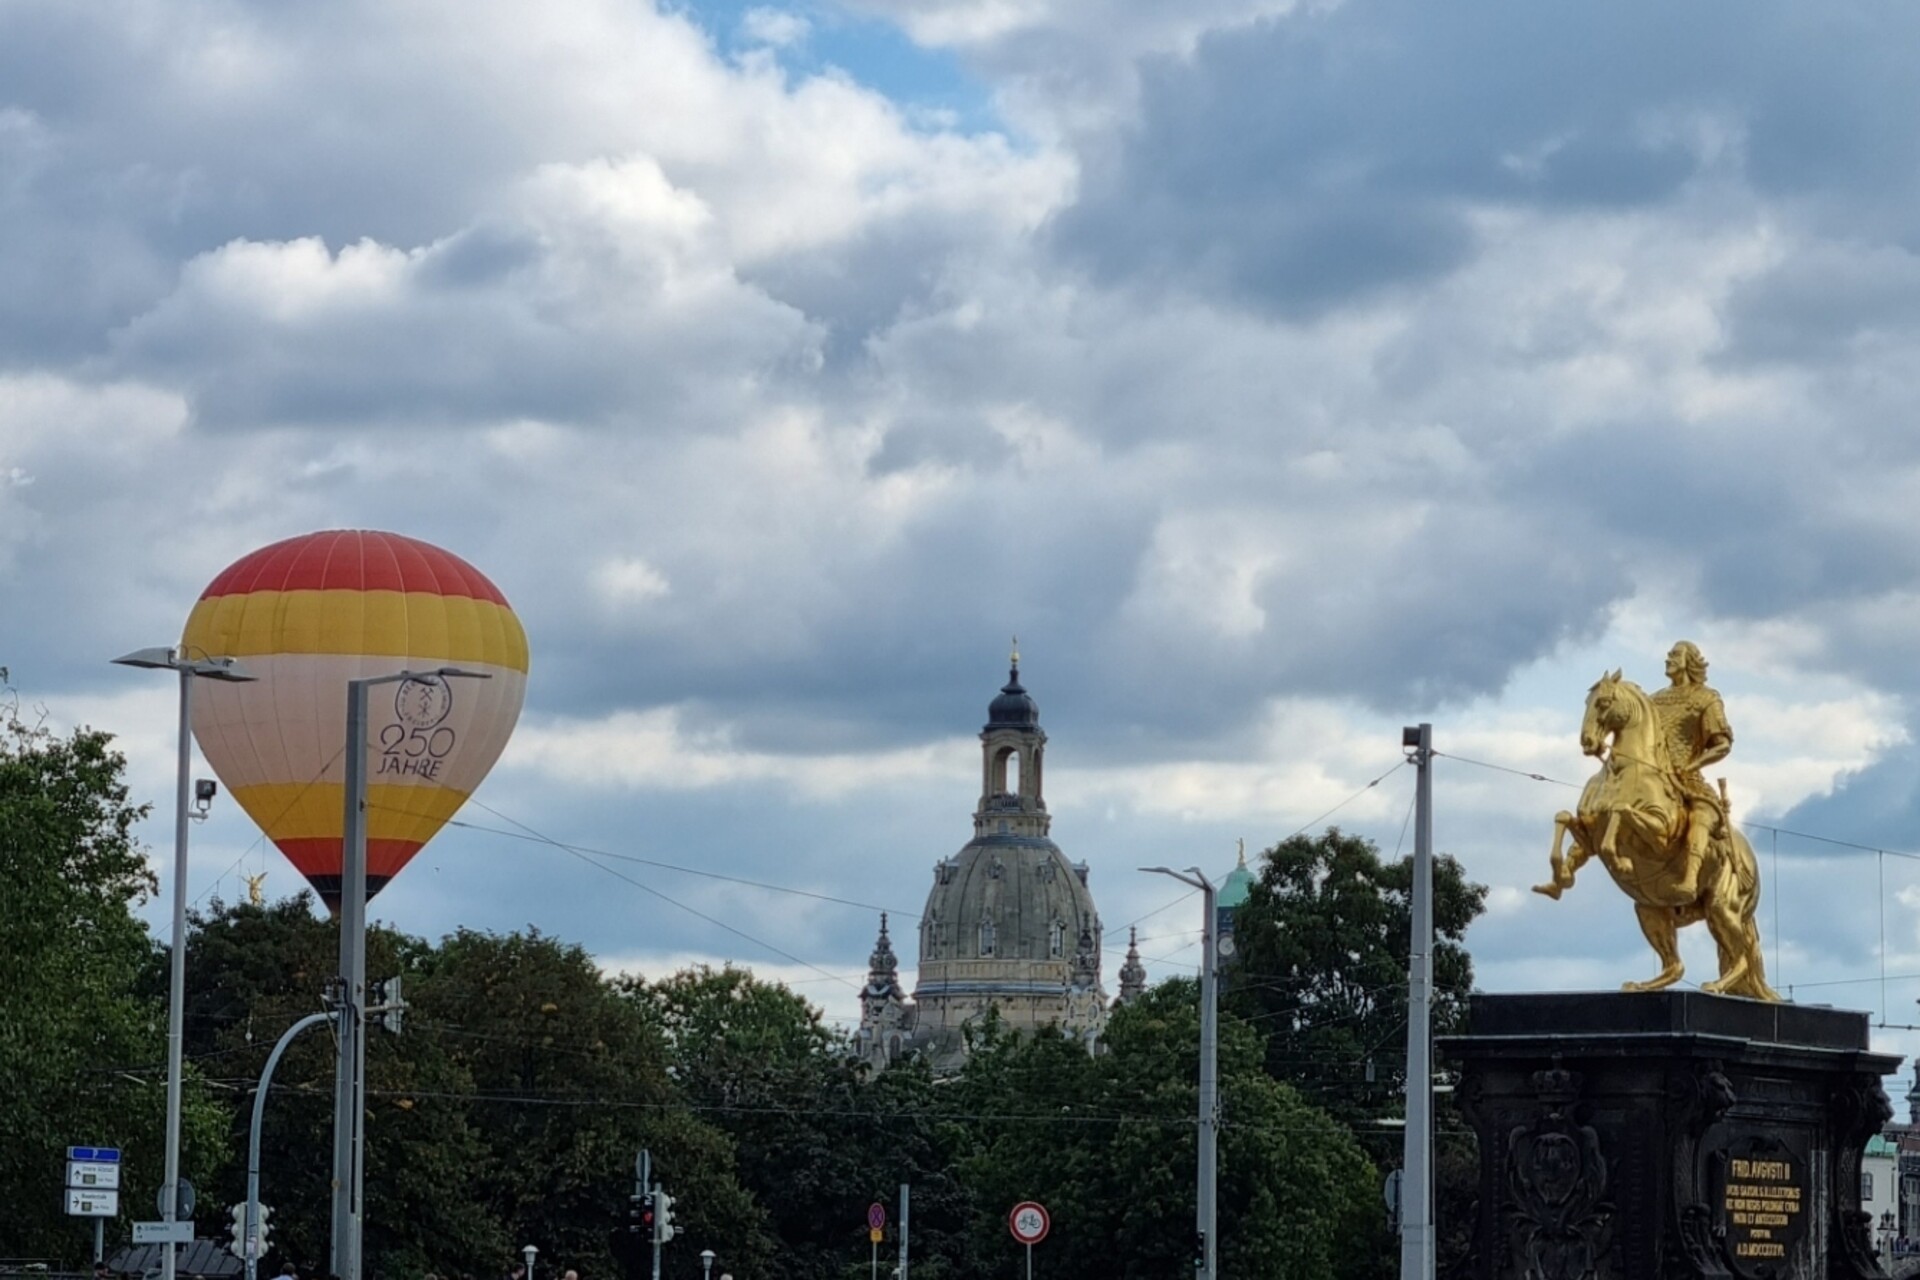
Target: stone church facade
(1009, 924)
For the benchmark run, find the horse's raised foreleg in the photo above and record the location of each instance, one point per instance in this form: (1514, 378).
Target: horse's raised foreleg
(1663, 935)
(1563, 867)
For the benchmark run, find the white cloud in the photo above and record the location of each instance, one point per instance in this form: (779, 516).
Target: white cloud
(780, 28)
(1276, 399)
(654, 750)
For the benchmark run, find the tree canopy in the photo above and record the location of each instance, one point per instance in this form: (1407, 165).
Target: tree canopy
(511, 1106)
(82, 1054)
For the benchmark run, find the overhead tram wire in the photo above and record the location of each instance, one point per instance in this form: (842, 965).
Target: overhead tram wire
(590, 856)
(1881, 854)
(1301, 830)
(1835, 841)
(257, 840)
(701, 915)
(529, 836)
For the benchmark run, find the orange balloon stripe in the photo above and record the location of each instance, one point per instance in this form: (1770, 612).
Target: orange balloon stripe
(320, 857)
(355, 560)
(295, 811)
(411, 624)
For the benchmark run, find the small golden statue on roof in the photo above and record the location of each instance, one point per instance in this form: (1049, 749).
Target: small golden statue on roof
(1661, 831)
(256, 891)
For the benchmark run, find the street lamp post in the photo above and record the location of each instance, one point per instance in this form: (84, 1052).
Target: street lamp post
(706, 1264)
(350, 1064)
(529, 1252)
(207, 668)
(1205, 1211)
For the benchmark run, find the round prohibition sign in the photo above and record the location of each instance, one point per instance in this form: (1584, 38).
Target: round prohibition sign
(1029, 1222)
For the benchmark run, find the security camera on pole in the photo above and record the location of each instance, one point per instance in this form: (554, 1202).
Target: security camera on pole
(188, 668)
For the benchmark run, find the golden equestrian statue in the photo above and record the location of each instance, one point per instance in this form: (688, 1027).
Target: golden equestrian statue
(1665, 835)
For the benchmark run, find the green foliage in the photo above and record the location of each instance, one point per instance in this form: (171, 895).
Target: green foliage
(570, 1080)
(512, 1106)
(1322, 948)
(1323, 943)
(817, 1142)
(82, 1053)
(252, 972)
(1108, 1143)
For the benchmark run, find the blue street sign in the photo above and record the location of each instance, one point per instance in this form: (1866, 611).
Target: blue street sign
(99, 1155)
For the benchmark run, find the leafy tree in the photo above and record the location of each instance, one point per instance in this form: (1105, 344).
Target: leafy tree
(1323, 942)
(252, 972)
(817, 1141)
(82, 1052)
(570, 1080)
(1108, 1143)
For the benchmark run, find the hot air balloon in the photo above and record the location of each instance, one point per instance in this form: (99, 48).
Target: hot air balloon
(311, 613)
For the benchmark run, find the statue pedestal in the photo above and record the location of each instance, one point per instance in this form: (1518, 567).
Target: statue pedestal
(1669, 1135)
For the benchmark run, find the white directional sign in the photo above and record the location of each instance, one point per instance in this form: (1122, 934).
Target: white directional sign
(163, 1232)
(93, 1174)
(93, 1182)
(82, 1203)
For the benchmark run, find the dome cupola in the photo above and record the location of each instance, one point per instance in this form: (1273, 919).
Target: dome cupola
(1015, 707)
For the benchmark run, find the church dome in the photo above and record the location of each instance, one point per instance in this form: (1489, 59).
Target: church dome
(1012, 901)
(1010, 924)
(1015, 707)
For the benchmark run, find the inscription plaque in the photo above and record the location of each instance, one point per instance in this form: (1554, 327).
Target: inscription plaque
(1763, 1190)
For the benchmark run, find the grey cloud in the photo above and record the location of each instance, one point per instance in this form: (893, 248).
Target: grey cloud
(1825, 302)
(449, 338)
(1313, 139)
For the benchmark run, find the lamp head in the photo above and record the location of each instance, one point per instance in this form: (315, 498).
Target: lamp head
(162, 658)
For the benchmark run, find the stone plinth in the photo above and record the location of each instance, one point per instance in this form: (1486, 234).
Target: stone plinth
(1669, 1135)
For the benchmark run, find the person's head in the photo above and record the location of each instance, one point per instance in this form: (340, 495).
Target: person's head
(570, 1274)
(517, 1269)
(1684, 661)
(290, 1270)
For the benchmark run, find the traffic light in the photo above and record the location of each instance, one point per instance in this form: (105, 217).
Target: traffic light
(385, 996)
(260, 1232)
(1200, 1250)
(237, 1230)
(640, 1214)
(663, 1226)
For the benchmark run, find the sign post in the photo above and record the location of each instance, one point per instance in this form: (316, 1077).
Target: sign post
(93, 1189)
(1029, 1223)
(876, 1227)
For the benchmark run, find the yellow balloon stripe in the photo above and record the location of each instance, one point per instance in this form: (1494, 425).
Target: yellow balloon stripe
(293, 810)
(410, 624)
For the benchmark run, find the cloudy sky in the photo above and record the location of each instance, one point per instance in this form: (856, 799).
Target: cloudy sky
(1281, 374)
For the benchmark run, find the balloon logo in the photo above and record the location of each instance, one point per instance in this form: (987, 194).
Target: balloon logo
(306, 616)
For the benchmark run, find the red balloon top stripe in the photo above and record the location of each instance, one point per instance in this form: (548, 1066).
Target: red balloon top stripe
(354, 560)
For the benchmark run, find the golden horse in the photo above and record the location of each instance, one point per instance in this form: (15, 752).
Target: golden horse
(1632, 815)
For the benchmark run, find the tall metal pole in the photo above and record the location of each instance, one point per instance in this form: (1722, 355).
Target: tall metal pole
(348, 1101)
(1416, 1212)
(350, 1066)
(177, 978)
(1206, 1198)
(1208, 1212)
(903, 1230)
(187, 669)
(656, 1234)
(252, 1218)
